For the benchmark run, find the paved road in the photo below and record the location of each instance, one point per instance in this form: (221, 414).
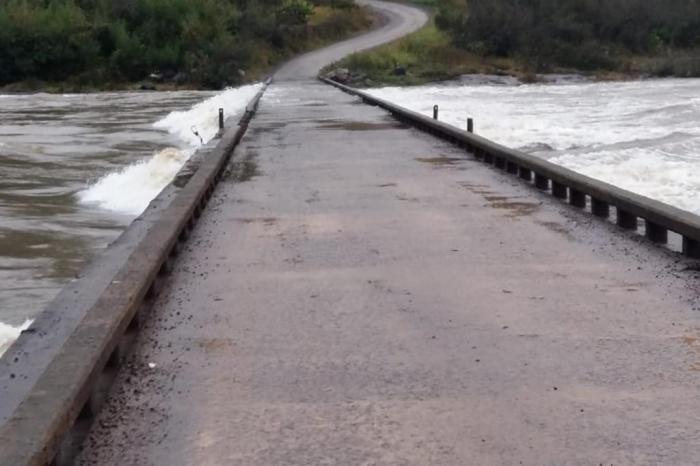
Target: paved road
(400, 20)
(360, 293)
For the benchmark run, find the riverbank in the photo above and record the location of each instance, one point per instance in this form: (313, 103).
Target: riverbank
(429, 56)
(326, 24)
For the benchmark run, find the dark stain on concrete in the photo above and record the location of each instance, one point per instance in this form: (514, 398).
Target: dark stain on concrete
(315, 197)
(267, 128)
(357, 125)
(515, 208)
(265, 220)
(512, 207)
(557, 228)
(497, 198)
(476, 188)
(243, 170)
(441, 160)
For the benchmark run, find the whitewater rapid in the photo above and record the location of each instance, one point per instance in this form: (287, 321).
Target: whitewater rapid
(52, 145)
(643, 136)
(130, 189)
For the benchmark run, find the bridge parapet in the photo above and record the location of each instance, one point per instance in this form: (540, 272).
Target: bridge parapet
(581, 191)
(55, 406)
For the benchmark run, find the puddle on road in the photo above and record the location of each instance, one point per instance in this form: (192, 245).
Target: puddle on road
(264, 128)
(557, 228)
(315, 197)
(514, 208)
(476, 188)
(357, 125)
(265, 220)
(441, 160)
(496, 198)
(243, 170)
(407, 199)
(248, 170)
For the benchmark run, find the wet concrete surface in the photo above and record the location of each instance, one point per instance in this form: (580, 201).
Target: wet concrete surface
(352, 303)
(373, 296)
(399, 20)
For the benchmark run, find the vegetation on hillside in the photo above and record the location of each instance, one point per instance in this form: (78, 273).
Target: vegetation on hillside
(607, 38)
(425, 56)
(208, 43)
(580, 34)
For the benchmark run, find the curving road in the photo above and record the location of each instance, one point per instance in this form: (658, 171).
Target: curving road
(400, 20)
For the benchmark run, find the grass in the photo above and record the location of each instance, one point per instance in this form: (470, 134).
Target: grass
(427, 55)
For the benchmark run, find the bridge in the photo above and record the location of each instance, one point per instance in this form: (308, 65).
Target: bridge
(338, 280)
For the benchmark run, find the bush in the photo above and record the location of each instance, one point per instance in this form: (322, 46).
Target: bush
(55, 41)
(207, 40)
(572, 33)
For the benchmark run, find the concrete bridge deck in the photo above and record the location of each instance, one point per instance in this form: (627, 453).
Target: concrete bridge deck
(359, 292)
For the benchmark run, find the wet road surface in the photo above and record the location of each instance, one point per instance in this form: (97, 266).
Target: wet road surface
(359, 292)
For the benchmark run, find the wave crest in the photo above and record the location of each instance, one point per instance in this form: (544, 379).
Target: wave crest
(130, 189)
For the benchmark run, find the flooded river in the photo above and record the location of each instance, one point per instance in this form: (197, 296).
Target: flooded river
(643, 136)
(75, 170)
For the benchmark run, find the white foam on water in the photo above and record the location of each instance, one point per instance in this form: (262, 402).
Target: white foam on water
(643, 136)
(9, 334)
(130, 189)
(205, 115)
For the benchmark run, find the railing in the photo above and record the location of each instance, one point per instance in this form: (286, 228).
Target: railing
(579, 190)
(54, 414)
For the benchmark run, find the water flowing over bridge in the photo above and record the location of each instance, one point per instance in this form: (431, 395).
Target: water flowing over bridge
(332, 282)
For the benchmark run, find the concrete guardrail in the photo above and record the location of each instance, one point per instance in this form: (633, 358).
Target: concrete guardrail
(579, 190)
(54, 412)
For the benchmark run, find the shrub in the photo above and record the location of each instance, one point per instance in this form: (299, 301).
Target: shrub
(575, 33)
(208, 40)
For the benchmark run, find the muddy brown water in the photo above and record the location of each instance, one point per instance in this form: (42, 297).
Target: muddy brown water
(51, 148)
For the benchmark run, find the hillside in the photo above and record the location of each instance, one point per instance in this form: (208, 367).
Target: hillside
(100, 44)
(601, 38)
